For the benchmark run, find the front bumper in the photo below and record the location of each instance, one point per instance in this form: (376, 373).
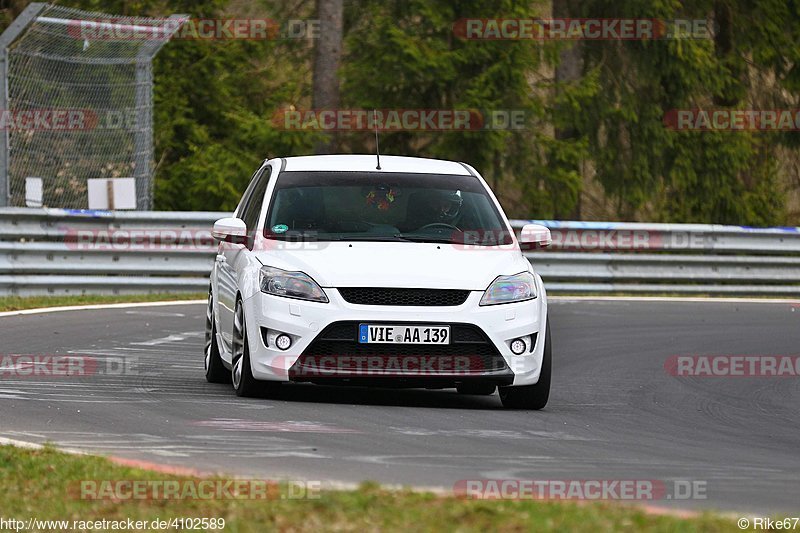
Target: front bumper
(322, 351)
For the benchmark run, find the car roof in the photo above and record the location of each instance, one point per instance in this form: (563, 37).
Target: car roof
(368, 163)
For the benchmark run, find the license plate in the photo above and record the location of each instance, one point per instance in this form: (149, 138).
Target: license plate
(388, 334)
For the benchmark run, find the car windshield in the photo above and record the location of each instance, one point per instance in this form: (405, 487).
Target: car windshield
(370, 206)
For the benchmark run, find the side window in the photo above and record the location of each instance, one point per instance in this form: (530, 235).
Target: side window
(251, 209)
(248, 192)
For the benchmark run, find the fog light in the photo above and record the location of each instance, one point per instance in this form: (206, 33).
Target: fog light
(518, 346)
(283, 342)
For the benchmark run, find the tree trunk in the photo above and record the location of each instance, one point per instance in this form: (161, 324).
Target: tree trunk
(327, 57)
(725, 49)
(570, 63)
(569, 69)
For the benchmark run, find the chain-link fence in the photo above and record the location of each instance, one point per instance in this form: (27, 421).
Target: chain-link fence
(77, 117)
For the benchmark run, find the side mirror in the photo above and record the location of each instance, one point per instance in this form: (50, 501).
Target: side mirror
(230, 230)
(534, 236)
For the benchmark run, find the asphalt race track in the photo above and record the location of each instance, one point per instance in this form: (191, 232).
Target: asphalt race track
(615, 412)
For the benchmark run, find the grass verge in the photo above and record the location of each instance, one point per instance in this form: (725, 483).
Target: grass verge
(45, 484)
(17, 303)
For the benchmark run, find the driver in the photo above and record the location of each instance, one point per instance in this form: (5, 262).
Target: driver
(441, 207)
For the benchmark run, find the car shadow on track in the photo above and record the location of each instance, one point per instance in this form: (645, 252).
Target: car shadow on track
(437, 398)
(398, 397)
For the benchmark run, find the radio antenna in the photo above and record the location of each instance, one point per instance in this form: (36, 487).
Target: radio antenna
(377, 145)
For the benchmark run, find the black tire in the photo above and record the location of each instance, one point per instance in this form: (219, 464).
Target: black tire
(215, 370)
(532, 396)
(244, 384)
(477, 389)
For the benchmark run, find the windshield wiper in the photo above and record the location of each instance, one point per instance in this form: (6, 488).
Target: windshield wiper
(426, 238)
(392, 238)
(364, 238)
(445, 240)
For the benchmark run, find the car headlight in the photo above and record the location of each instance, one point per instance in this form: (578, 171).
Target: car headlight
(507, 289)
(291, 285)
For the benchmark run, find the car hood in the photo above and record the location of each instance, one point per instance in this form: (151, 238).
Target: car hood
(397, 264)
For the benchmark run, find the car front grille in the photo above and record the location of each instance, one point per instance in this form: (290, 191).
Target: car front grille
(404, 297)
(337, 348)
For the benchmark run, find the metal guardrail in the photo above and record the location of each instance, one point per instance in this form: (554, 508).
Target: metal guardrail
(53, 251)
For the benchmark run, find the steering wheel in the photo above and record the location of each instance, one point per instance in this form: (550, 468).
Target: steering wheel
(438, 225)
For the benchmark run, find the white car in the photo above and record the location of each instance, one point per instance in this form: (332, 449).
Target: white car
(397, 272)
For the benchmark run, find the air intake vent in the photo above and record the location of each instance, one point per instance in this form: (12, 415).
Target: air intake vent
(401, 297)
